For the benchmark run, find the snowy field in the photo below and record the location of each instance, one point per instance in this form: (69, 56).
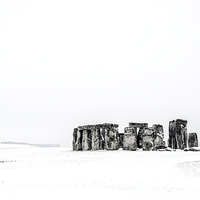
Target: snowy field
(59, 173)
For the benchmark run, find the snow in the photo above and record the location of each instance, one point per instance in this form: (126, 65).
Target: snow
(60, 173)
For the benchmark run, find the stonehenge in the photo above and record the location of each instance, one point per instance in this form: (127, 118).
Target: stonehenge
(136, 136)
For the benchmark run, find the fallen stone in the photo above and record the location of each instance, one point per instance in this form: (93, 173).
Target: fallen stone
(161, 150)
(186, 149)
(194, 149)
(168, 149)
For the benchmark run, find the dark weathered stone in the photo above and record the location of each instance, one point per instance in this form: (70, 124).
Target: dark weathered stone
(121, 139)
(192, 149)
(172, 135)
(158, 134)
(138, 125)
(111, 138)
(77, 139)
(181, 134)
(140, 137)
(95, 139)
(130, 139)
(168, 149)
(102, 139)
(87, 140)
(192, 140)
(139, 133)
(148, 139)
(158, 130)
(74, 138)
(98, 126)
(177, 134)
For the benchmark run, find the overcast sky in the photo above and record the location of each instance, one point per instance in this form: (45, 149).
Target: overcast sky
(65, 63)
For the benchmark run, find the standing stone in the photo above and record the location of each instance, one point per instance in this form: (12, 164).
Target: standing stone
(87, 140)
(111, 138)
(102, 139)
(178, 134)
(158, 136)
(77, 139)
(192, 140)
(95, 139)
(130, 139)
(141, 127)
(181, 134)
(172, 135)
(148, 139)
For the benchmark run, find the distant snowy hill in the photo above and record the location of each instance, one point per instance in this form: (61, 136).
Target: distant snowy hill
(22, 144)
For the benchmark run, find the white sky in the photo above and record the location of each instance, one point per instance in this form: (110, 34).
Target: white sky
(69, 63)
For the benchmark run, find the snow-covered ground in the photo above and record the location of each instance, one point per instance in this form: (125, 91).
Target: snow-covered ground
(60, 173)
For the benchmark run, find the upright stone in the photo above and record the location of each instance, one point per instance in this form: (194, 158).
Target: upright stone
(181, 134)
(159, 143)
(177, 134)
(148, 139)
(172, 135)
(192, 140)
(102, 139)
(141, 127)
(87, 140)
(111, 138)
(77, 139)
(95, 139)
(130, 139)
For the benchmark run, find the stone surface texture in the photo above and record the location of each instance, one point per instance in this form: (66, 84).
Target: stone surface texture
(96, 137)
(158, 134)
(77, 139)
(178, 134)
(111, 138)
(139, 133)
(192, 140)
(148, 139)
(130, 139)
